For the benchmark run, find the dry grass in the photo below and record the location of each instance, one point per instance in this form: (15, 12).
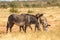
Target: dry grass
(53, 33)
(31, 36)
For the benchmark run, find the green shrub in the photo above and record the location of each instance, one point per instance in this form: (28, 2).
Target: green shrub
(13, 5)
(3, 6)
(30, 11)
(13, 10)
(26, 5)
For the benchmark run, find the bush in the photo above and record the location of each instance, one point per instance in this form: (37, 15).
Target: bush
(13, 5)
(30, 11)
(3, 6)
(26, 5)
(13, 10)
(33, 5)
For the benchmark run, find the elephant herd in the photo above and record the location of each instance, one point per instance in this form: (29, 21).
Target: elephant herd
(25, 20)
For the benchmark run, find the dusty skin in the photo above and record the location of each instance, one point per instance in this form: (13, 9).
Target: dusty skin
(51, 13)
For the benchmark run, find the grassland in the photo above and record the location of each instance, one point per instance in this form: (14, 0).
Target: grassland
(51, 13)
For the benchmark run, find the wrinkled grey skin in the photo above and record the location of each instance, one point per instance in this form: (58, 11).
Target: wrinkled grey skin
(43, 21)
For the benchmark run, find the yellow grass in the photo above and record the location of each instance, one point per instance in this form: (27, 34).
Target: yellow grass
(51, 13)
(31, 36)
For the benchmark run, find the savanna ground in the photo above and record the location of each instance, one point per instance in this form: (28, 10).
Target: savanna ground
(51, 13)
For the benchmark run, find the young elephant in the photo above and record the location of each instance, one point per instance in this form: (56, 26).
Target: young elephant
(43, 21)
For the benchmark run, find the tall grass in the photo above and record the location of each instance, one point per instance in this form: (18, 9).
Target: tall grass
(53, 18)
(31, 36)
